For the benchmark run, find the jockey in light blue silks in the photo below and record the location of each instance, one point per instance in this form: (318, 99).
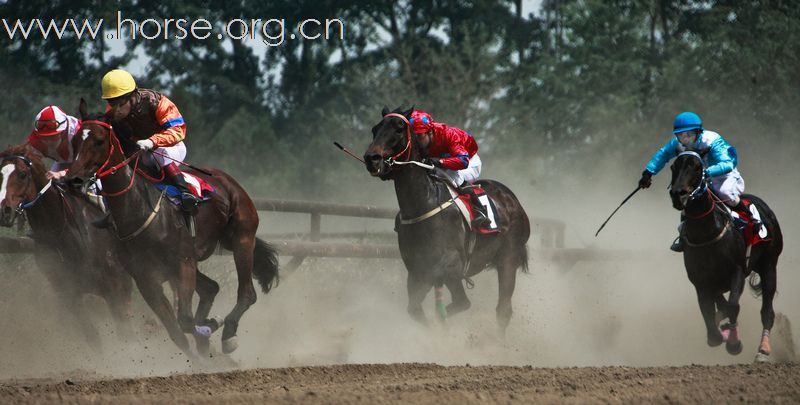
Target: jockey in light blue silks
(719, 156)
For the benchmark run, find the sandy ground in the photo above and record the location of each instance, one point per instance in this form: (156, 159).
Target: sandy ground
(429, 384)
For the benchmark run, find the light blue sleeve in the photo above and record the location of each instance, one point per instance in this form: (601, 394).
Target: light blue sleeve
(662, 156)
(724, 155)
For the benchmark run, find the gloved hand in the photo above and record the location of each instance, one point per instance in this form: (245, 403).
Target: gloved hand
(434, 161)
(646, 180)
(50, 175)
(145, 144)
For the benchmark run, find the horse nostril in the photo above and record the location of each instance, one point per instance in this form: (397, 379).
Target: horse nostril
(374, 157)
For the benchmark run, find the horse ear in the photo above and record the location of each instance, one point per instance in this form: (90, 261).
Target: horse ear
(408, 112)
(385, 111)
(83, 109)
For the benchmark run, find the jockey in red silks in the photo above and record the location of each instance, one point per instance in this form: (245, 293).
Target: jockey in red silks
(455, 152)
(52, 134)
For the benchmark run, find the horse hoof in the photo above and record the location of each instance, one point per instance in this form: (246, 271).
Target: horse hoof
(714, 342)
(762, 358)
(230, 345)
(734, 348)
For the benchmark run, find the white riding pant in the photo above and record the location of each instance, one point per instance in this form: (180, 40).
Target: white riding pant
(176, 152)
(728, 187)
(468, 175)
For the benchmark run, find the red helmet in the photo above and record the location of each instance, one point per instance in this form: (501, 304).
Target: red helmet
(421, 122)
(50, 121)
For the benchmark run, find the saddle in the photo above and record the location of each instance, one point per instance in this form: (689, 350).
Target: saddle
(199, 188)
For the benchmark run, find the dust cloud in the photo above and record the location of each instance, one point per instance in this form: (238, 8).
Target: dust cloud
(637, 311)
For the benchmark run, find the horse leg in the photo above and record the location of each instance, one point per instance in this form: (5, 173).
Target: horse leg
(245, 294)
(706, 301)
(187, 283)
(769, 283)
(733, 344)
(460, 301)
(207, 290)
(506, 281)
(722, 308)
(418, 286)
(153, 295)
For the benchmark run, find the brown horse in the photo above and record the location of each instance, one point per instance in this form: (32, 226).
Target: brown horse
(157, 245)
(435, 250)
(76, 258)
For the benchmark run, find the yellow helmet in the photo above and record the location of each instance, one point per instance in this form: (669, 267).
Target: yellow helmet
(117, 83)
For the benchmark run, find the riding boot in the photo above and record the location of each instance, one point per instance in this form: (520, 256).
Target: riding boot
(677, 244)
(481, 216)
(189, 202)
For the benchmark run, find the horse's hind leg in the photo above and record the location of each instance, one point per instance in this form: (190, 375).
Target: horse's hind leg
(418, 286)
(769, 284)
(187, 283)
(207, 289)
(506, 280)
(733, 344)
(245, 294)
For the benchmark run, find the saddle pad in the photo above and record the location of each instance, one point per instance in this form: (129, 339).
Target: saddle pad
(464, 203)
(752, 217)
(199, 187)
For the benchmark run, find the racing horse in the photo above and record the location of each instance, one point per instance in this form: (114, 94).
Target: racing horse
(716, 256)
(435, 243)
(156, 243)
(76, 258)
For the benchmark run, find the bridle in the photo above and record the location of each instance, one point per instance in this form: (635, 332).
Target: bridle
(115, 145)
(392, 161)
(26, 205)
(702, 188)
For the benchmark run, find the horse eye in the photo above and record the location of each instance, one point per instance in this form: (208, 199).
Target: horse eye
(22, 175)
(98, 142)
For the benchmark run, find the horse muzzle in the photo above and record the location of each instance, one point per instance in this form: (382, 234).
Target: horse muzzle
(679, 199)
(7, 216)
(376, 164)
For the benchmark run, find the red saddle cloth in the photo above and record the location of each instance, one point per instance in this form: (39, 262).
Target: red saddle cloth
(753, 232)
(494, 226)
(200, 188)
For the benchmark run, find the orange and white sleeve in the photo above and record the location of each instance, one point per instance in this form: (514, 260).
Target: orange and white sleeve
(173, 127)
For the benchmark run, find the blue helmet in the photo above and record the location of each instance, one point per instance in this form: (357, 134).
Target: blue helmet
(686, 121)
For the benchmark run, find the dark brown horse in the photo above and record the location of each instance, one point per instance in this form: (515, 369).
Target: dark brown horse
(76, 258)
(715, 255)
(436, 250)
(157, 245)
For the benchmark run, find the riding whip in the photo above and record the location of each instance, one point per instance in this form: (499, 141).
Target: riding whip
(347, 151)
(615, 211)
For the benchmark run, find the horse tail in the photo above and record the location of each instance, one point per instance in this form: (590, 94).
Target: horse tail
(755, 284)
(265, 265)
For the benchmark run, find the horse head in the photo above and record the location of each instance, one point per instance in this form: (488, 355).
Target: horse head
(23, 174)
(688, 179)
(392, 141)
(95, 148)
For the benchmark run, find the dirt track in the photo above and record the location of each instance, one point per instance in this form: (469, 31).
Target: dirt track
(425, 383)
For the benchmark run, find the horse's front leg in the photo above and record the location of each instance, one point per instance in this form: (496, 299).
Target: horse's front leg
(418, 285)
(706, 300)
(733, 343)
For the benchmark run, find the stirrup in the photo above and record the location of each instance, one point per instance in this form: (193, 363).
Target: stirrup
(189, 203)
(677, 245)
(480, 221)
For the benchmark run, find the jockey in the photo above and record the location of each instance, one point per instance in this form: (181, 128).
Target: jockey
(719, 156)
(52, 134)
(454, 151)
(151, 120)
